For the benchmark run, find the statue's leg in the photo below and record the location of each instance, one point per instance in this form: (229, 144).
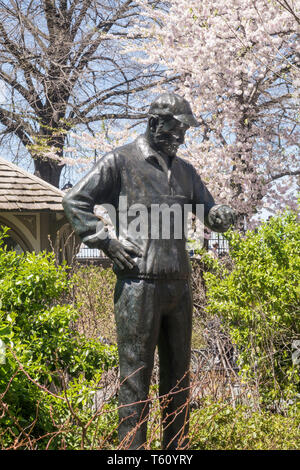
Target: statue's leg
(137, 321)
(174, 356)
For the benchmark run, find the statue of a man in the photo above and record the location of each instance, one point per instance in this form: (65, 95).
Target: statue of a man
(153, 299)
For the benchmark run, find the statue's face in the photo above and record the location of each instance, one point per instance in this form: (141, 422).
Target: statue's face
(168, 134)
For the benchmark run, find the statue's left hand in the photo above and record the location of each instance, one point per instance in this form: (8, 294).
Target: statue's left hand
(221, 218)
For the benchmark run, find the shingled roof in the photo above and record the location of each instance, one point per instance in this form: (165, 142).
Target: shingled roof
(20, 190)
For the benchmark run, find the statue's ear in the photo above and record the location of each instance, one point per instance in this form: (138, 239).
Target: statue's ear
(153, 122)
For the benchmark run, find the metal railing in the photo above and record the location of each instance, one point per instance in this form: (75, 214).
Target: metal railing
(217, 244)
(90, 253)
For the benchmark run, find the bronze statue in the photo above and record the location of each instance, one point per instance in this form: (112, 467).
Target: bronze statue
(153, 298)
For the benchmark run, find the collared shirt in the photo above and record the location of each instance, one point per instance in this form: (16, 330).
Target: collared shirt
(128, 178)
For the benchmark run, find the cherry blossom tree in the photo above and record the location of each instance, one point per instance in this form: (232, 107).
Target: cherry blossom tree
(238, 63)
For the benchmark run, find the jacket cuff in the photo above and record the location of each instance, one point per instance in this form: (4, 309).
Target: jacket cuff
(99, 240)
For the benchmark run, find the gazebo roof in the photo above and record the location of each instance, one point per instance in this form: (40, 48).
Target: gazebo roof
(20, 190)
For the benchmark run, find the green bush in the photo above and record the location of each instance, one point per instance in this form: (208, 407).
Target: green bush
(50, 371)
(258, 302)
(219, 426)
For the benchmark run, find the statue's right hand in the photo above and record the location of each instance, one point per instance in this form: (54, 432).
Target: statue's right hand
(122, 255)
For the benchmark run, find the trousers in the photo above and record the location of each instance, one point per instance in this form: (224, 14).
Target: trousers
(150, 313)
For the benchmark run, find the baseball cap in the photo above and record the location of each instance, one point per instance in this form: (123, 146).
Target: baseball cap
(170, 104)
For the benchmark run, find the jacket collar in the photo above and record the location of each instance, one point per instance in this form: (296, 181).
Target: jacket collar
(152, 156)
(146, 150)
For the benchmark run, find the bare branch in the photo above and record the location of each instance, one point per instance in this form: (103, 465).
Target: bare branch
(287, 7)
(281, 175)
(85, 6)
(30, 96)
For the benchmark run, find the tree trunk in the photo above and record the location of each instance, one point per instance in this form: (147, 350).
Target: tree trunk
(45, 168)
(48, 170)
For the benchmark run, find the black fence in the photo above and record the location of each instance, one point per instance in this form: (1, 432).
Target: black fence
(90, 253)
(216, 244)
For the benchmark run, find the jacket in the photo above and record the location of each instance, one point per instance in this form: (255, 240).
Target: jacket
(136, 174)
